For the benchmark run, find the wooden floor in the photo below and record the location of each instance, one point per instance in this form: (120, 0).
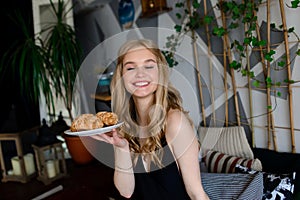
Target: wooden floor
(91, 181)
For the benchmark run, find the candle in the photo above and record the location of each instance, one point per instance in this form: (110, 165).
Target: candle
(29, 164)
(10, 172)
(16, 165)
(51, 168)
(57, 170)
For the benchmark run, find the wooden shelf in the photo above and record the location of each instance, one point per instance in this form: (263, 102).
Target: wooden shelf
(101, 96)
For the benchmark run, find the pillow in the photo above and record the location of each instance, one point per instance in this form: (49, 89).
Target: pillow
(217, 162)
(280, 163)
(276, 186)
(229, 140)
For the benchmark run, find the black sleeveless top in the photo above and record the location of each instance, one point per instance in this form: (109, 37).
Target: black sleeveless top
(160, 183)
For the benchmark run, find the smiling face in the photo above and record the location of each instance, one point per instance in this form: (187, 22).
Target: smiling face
(140, 72)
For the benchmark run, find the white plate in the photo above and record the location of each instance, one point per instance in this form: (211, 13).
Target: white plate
(94, 131)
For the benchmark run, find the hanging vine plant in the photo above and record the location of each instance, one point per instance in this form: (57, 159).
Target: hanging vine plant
(242, 14)
(237, 16)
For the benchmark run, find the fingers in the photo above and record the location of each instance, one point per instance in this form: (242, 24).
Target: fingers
(103, 137)
(114, 133)
(106, 137)
(112, 137)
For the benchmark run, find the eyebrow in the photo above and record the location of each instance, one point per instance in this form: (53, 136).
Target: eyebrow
(146, 61)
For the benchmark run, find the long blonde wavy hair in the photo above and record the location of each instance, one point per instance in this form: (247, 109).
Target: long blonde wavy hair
(166, 97)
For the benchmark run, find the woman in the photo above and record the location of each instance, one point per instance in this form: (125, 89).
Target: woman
(156, 150)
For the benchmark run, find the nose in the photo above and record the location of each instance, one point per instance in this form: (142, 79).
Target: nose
(140, 72)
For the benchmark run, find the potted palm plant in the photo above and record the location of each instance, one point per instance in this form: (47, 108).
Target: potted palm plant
(47, 66)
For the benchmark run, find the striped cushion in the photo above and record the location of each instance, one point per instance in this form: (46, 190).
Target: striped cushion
(220, 186)
(217, 162)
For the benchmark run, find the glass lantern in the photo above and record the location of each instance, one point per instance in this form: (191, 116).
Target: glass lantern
(50, 162)
(16, 164)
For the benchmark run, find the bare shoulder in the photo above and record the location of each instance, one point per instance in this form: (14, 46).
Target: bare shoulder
(174, 115)
(176, 121)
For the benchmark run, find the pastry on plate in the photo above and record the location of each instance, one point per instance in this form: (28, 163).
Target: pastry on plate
(86, 122)
(108, 118)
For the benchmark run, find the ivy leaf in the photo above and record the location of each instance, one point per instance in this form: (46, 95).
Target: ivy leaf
(236, 11)
(281, 63)
(272, 52)
(272, 25)
(256, 83)
(278, 83)
(269, 82)
(178, 28)
(235, 65)
(247, 40)
(244, 72)
(193, 22)
(168, 44)
(268, 56)
(170, 58)
(218, 31)
(208, 19)
(291, 30)
(295, 3)
(255, 42)
(279, 94)
(196, 4)
(233, 25)
(298, 52)
(289, 81)
(178, 15)
(179, 5)
(247, 17)
(238, 45)
(228, 5)
(269, 107)
(262, 43)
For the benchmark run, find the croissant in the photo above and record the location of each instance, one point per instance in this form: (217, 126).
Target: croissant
(108, 118)
(86, 122)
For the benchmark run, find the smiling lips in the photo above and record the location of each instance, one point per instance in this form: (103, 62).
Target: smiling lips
(141, 84)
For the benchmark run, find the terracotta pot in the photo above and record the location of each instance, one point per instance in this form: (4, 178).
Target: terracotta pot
(77, 150)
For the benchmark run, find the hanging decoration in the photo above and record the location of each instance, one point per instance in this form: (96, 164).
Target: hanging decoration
(126, 13)
(154, 7)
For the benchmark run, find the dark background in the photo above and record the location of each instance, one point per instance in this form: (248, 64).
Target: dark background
(17, 112)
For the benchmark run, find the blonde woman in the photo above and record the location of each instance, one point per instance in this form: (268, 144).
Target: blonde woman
(156, 150)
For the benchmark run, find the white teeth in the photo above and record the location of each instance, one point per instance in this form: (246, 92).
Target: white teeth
(141, 83)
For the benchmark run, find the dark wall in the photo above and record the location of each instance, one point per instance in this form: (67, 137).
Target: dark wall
(17, 112)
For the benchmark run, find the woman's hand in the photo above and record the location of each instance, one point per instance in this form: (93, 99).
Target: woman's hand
(112, 138)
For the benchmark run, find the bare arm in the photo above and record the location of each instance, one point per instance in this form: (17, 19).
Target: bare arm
(123, 175)
(183, 141)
